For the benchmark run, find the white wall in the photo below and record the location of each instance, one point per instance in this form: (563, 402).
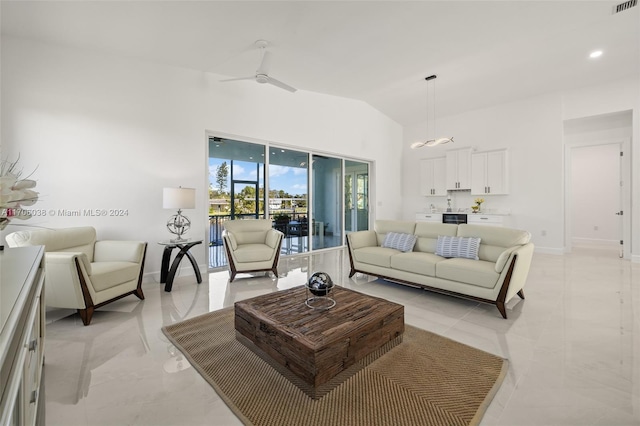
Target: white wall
(532, 130)
(109, 132)
(620, 97)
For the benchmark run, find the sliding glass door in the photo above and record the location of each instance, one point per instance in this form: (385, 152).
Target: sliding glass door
(327, 202)
(356, 196)
(288, 198)
(313, 199)
(236, 188)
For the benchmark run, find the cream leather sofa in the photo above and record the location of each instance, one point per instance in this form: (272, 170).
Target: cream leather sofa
(504, 257)
(82, 273)
(251, 245)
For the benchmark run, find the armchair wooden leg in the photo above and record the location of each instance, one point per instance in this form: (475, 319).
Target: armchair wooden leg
(353, 269)
(502, 309)
(138, 292)
(86, 315)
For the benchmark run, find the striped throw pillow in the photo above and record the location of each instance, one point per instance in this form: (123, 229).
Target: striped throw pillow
(398, 241)
(466, 247)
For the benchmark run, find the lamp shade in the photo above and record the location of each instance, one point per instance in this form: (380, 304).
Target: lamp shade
(179, 198)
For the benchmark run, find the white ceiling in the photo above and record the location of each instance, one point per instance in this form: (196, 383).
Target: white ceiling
(484, 52)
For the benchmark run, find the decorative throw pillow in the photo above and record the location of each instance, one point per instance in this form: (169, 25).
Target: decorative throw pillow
(466, 247)
(398, 241)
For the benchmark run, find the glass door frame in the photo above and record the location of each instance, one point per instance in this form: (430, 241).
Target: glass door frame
(310, 193)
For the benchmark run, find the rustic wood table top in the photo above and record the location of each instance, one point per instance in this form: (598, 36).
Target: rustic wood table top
(316, 328)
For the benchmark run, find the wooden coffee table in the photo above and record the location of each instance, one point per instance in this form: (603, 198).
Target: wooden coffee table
(318, 345)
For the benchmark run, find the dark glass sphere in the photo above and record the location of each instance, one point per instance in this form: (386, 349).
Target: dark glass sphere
(320, 284)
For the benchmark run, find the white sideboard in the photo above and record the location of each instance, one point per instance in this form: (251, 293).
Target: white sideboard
(22, 326)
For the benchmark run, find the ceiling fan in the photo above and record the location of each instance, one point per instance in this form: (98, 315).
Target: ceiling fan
(261, 75)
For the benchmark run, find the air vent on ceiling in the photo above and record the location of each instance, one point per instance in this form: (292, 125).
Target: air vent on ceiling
(624, 6)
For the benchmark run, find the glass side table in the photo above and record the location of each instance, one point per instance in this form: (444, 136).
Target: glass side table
(167, 275)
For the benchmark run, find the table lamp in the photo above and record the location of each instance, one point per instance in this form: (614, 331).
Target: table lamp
(178, 198)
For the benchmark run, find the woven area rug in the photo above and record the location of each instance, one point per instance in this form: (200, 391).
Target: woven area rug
(425, 380)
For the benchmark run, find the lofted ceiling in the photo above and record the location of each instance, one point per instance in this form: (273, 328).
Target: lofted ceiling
(484, 52)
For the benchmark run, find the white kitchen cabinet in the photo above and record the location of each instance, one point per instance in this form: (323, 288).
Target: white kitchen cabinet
(458, 169)
(485, 219)
(429, 217)
(432, 177)
(489, 173)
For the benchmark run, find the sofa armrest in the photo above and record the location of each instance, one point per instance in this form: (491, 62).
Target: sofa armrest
(361, 239)
(524, 255)
(63, 289)
(68, 258)
(505, 258)
(273, 238)
(119, 251)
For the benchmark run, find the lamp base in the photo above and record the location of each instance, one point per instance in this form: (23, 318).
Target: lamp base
(178, 225)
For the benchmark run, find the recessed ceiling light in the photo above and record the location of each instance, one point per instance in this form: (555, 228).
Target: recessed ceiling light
(595, 54)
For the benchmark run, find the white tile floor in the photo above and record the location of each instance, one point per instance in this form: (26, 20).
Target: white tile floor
(573, 344)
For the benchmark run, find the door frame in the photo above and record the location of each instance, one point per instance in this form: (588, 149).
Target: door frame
(625, 192)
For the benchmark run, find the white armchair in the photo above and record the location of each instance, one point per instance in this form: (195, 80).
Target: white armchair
(82, 273)
(251, 245)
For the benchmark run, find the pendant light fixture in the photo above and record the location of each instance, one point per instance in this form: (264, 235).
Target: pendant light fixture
(431, 113)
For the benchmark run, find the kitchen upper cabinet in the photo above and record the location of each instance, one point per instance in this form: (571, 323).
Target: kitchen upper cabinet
(459, 169)
(432, 177)
(489, 173)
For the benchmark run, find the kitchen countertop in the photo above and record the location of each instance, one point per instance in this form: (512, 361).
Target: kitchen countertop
(468, 211)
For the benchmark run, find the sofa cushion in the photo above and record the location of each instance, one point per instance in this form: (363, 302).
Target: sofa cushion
(383, 227)
(428, 232)
(416, 262)
(466, 247)
(248, 231)
(253, 253)
(81, 239)
(379, 256)
(105, 275)
(475, 272)
(399, 241)
(494, 239)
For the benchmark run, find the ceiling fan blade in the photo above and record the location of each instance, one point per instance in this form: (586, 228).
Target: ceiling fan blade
(253, 77)
(281, 85)
(265, 63)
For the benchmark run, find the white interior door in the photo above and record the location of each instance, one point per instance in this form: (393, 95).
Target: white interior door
(596, 196)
